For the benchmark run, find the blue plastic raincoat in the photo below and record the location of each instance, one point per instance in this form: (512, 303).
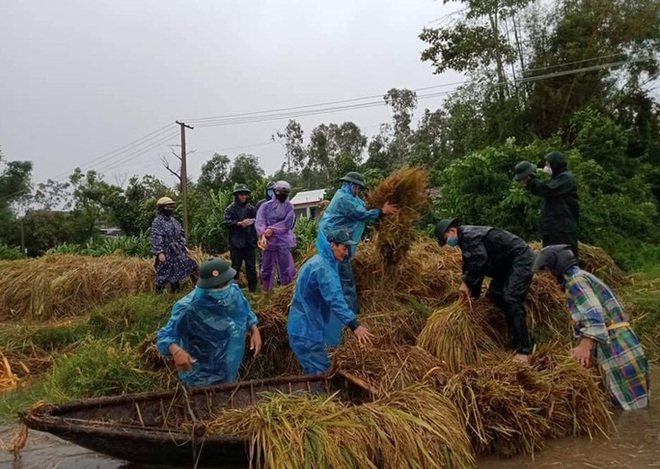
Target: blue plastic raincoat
(212, 329)
(317, 299)
(347, 212)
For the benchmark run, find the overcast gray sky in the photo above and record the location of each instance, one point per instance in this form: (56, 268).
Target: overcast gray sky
(81, 78)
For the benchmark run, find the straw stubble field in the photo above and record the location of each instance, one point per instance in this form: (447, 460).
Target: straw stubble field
(444, 388)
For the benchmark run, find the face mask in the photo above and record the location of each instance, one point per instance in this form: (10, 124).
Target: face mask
(547, 170)
(282, 197)
(219, 293)
(452, 241)
(167, 211)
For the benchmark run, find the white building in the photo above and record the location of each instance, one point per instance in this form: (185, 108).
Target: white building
(306, 204)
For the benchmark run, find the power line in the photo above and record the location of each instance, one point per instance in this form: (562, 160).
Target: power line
(137, 153)
(307, 106)
(326, 108)
(121, 150)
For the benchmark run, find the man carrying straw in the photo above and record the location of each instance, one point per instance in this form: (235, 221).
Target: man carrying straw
(600, 323)
(348, 212)
(317, 298)
(507, 260)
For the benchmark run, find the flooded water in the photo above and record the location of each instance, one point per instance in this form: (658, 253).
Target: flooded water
(635, 445)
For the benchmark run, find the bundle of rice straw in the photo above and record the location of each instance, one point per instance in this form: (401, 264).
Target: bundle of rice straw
(405, 188)
(276, 358)
(415, 427)
(150, 358)
(503, 406)
(8, 380)
(546, 305)
(390, 369)
(460, 333)
(393, 321)
(66, 285)
(599, 263)
(576, 404)
(428, 272)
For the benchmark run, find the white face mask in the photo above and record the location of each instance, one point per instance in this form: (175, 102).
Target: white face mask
(547, 170)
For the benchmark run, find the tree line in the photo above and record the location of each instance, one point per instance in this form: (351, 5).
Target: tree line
(568, 75)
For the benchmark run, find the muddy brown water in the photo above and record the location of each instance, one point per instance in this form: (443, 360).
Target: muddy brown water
(636, 444)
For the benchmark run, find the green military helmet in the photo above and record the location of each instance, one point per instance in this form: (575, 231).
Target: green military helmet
(241, 188)
(355, 178)
(524, 169)
(214, 272)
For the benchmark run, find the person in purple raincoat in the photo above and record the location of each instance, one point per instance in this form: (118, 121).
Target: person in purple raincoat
(275, 221)
(168, 245)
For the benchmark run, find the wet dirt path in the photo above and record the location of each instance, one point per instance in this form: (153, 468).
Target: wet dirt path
(635, 445)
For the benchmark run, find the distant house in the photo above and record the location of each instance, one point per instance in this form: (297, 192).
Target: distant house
(306, 204)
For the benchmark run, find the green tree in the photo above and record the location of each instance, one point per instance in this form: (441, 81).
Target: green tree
(215, 173)
(246, 170)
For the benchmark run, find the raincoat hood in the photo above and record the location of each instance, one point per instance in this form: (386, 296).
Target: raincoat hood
(557, 162)
(324, 250)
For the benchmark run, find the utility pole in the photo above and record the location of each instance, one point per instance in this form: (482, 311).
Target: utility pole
(23, 250)
(184, 176)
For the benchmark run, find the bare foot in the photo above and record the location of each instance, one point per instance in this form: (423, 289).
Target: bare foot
(519, 357)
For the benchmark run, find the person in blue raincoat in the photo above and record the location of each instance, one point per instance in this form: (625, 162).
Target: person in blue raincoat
(317, 298)
(207, 329)
(348, 212)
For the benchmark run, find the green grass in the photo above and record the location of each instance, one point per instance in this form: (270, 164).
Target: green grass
(133, 317)
(99, 368)
(21, 399)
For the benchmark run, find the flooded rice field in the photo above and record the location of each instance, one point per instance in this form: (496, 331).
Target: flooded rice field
(635, 444)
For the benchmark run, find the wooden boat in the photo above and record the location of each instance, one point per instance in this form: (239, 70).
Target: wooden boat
(161, 428)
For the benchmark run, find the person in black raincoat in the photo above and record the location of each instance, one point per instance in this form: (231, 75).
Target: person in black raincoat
(507, 260)
(560, 216)
(168, 245)
(239, 218)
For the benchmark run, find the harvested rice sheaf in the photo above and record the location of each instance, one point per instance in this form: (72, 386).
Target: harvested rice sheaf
(67, 285)
(415, 427)
(276, 358)
(392, 321)
(546, 306)
(405, 188)
(390, 369)
(460, 333)
(503, 405)
(576, 403)
(428, 272)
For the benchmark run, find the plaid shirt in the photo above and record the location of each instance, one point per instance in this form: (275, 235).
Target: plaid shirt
(598, 315)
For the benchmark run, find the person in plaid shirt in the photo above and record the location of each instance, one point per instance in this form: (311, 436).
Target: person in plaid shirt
(602, 326)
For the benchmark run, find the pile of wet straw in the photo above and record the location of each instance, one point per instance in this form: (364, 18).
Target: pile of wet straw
(390, 369)
(512, 408)
(66, 285)
(459, 334)
(413, 427)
